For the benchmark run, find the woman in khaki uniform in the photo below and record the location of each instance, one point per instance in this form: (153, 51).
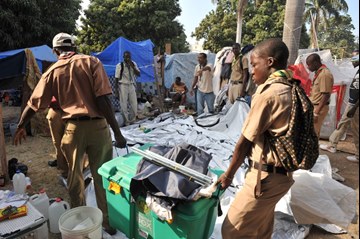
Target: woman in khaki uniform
(251, 215)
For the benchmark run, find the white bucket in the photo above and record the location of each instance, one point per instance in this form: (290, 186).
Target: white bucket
(81, 222)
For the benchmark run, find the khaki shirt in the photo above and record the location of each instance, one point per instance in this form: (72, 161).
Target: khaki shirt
(205, 84)
(323, 83)
(270, 111)
(237, 73)
(75, 82)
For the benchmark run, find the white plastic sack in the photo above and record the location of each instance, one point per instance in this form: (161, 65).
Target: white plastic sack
(317, 198)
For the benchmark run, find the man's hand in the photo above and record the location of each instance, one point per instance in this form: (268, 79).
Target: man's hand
(19, 135)
(224, 180)
(120, 142)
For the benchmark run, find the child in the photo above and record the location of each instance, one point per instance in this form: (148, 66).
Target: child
(251, 214)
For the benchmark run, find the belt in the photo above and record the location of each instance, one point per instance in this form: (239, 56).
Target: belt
(83, 118)
(236, 82)
(328, 103)
(268, 168)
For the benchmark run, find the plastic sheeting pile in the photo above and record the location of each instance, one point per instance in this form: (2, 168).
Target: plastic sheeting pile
(315, 198)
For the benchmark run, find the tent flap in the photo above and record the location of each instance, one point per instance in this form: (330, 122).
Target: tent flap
(141, 53)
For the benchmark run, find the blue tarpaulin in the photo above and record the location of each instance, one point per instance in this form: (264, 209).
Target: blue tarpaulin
(141, 53)
(13, 64)
(41, 53)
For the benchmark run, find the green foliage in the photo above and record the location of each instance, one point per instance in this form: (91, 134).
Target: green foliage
(339, 37)
(265, 21)
(136, 20)
(27, 23)
(219, 27)
(304, 39)
(321, 11)
(262, 21)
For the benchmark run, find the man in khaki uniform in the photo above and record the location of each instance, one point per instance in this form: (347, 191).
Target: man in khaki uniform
(345, 121)
(80, 85)
(251, 215)
(321, 89)
(239, 75)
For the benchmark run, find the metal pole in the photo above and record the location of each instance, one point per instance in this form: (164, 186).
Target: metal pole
(193, 175)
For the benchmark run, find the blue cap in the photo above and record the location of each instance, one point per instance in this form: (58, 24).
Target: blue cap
(355, 58)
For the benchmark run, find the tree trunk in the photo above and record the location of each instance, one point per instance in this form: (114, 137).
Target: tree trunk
(240, 13)
(294, 11)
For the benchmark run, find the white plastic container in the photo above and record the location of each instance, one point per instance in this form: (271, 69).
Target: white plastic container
(81, 222)
(41, 203)
(19, 182)
(13, 128)
(56, 209)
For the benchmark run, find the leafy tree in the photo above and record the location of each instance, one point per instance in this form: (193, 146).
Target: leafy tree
(218, 28)
(240, 8)
(266, 20)
(135, 20)
(27, 23)
(319, 11)
(339, 37)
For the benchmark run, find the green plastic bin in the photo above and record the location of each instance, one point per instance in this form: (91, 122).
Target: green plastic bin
(191, 220)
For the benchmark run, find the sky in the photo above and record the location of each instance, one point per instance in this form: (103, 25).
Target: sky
(193, 11)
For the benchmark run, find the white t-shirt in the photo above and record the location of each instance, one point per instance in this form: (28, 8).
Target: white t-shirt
(204, 83)
(128, 75)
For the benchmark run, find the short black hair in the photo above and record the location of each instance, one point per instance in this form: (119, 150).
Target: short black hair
(314, 58)
(65, 48)
(178, 78)
(276, 48)
(203, 54)
(237, 45)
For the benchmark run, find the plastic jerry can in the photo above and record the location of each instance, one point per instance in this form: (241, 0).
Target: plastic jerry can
(41, 202)
(19, 182)
(56, 209)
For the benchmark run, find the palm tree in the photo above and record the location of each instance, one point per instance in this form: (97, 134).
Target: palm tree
(293, 22)
(319, 11)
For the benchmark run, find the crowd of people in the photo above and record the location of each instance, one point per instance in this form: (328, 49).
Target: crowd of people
(76, 89)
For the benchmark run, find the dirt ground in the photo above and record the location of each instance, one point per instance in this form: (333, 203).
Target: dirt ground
(36, 151)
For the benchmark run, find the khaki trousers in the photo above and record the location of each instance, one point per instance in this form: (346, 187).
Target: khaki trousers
(57, 128)
(321, 118)
(355, 130)
(341, 128)
(91, 137)
(234, 91)
(250, 217)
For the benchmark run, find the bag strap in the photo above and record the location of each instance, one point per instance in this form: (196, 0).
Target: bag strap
(122, 70)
